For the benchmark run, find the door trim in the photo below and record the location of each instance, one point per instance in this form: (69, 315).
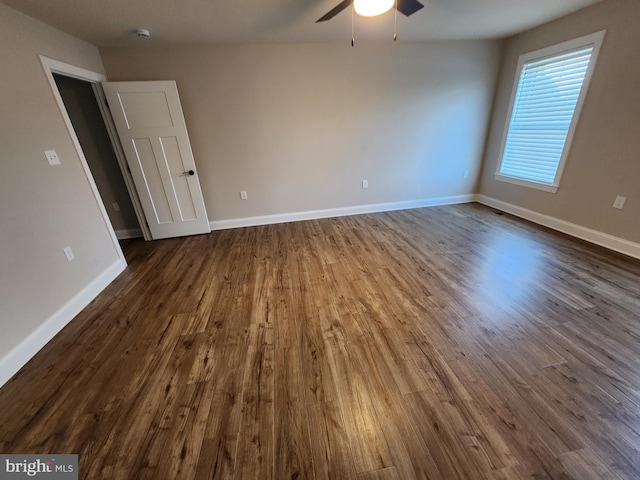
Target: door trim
(52, 66)
(122, 161)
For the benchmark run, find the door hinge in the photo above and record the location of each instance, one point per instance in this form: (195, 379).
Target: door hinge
(128, 169)
(106, 102)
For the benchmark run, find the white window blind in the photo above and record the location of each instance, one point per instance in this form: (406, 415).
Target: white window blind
(543, 113)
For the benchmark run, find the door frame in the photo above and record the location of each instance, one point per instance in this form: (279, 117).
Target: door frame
(52, 66)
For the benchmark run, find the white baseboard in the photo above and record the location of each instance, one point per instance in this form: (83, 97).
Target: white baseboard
(599, 238)
(338, 212)
(26, 349)
(128, 233)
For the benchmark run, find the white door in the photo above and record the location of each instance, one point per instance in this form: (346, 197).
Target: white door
(149, 120)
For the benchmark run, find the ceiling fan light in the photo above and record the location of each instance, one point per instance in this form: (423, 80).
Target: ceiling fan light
(372, 8)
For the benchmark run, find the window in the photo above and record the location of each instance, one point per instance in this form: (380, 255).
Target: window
(545, 105)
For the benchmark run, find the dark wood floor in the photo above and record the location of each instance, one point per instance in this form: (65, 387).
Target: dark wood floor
(441, 343)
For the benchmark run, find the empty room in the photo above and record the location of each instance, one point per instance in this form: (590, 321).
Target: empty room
(320, 239)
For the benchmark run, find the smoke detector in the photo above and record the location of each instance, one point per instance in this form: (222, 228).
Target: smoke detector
(142, 33)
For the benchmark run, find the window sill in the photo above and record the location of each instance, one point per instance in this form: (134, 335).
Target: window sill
(525, 183)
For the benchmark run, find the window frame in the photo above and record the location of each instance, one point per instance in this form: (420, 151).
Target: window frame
(593, 39)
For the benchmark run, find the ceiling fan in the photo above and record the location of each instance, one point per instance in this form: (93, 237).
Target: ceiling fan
(367, 9)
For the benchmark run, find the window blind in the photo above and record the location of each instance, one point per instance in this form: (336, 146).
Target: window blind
(543, 110)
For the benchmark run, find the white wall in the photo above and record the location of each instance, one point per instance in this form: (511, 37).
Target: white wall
(300, 126)
(42, 208)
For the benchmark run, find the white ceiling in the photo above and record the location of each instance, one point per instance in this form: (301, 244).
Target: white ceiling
(110, 22)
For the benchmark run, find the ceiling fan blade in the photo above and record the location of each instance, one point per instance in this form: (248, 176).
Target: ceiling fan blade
(335, 10)
(409, 7)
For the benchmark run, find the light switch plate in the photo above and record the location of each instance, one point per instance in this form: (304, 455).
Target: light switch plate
(69, 253)
(619, 203)
(52, 157)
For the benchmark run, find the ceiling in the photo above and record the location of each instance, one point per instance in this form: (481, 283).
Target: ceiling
(111, 22)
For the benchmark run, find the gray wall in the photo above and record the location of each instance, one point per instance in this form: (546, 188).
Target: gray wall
(604, 160)
(42, 208)
(300, 126)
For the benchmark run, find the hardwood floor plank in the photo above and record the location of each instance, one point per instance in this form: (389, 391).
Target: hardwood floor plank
(255, 450)
(217, 458)
(587, 465)
(330, 445)
(218, 453)
(293, 457)
(320, 385)
(183, 447)
(396, 353)
(409, 452)
(385, 474)
(614, 383)
(525, 436)
(592, 410)
(368, 445)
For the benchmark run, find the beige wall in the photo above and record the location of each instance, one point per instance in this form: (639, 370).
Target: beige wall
(42, 208)
(300, 126)
(605, 156)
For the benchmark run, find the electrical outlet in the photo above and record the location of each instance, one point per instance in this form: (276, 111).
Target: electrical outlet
(365, 183)
(619, 203)
(243, 194)
(52, 157)
(116, 207)
(69, 253)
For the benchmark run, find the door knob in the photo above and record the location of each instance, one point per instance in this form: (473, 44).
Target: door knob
(190, 172)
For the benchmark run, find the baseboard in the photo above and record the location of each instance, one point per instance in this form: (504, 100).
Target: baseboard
(128, 233)
(593, 236)
(24, 351)
(339, 212)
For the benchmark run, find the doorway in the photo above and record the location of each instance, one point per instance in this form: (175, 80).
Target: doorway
(82, 107)
(92, 79)
(161, 154)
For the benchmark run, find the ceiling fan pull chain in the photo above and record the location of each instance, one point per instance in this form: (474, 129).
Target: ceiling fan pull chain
(353, 36)
(395, 23)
